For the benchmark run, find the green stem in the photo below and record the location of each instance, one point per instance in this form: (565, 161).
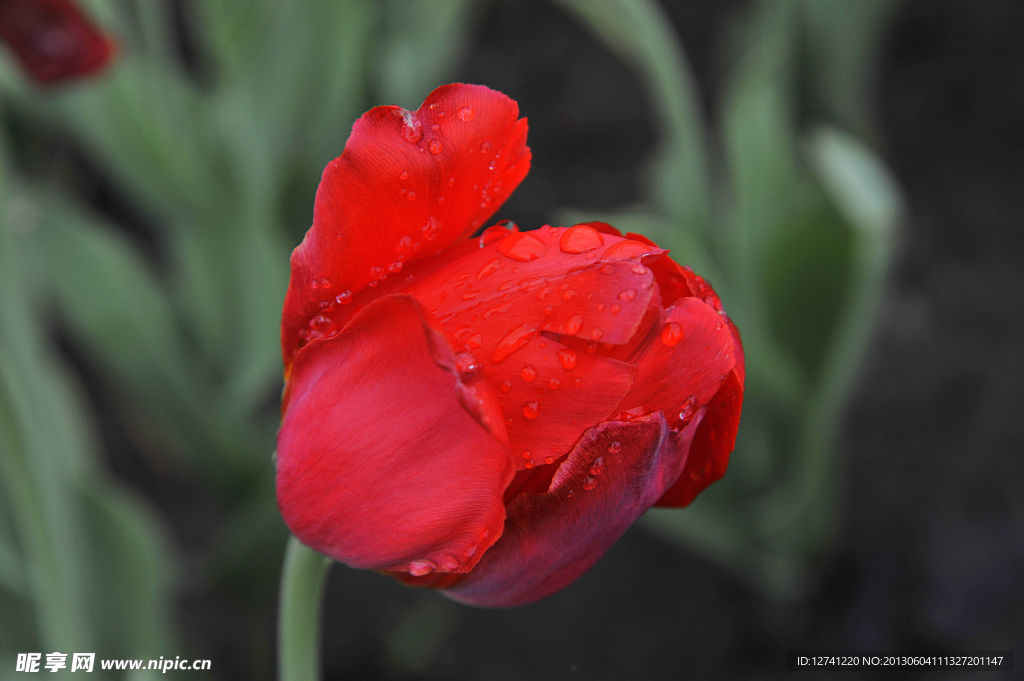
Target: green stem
(298, 632)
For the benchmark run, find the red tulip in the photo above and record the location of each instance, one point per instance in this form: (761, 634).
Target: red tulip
(486, 415)
(53, 39)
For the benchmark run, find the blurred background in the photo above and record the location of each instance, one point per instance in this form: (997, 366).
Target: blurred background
(847, 174)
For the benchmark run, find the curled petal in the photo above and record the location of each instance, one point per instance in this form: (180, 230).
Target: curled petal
(380, 465)
(408, 185)
(615, 473)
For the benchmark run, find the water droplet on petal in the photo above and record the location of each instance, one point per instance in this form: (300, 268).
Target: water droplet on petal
(435, 146)
(615, 308)
(486, 147)
(468, 366)
(569, 294)
(589, 483)
(521, 246)
(626, 250)
(343, 298)
(490, 267)
(404, 244)
(418, 568)
(505, 386)
(404, 175)
(580, 239)
(671, 334)
(572, 327)
(530, 410)
(431, 229)
(597, 467)
(412, 129)
(549, 460)
(514, 340)
(450, 564)
(627, 295)
(553, 383)
(529, 374)
(596, 333)
(395, 267)
(466, 114)
(527, 454)
(615, 447)
(568, 359)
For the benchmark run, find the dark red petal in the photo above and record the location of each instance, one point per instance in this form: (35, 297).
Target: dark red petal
(379, 463)
(714, 441)
(408, 185)
(615, 473)
(53, 39)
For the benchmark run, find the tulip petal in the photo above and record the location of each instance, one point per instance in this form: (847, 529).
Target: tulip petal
(615, 473)
(714, 441)
(379, 463)
(694, 361)
(53, 39)
(408, 185)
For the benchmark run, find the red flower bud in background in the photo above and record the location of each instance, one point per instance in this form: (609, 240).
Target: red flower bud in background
(486, 415)
(53, 39)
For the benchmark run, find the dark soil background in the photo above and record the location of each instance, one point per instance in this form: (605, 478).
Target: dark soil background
(930, 554)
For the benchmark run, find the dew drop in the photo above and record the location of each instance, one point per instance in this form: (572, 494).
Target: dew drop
(597, 467)
(638, 269)
(514, 340)
(615, 308)
(412, 129)
(395, 267)
(596, 333)
(505, 386)
(411, 196)
(553, 383)
(405, 244)
(431, 229)
(530, 411)
(343, 298)
(580, 239)
(627, 295)
(521, 246)
(671, 334)
(529, 374)
(468, 366)
(718, 325)
(486, 147)
(435, 146)
(615, 447)
(568, 359)
(527, 454)
(589, 483)
(549, 460)
(450, 564)
(572, 327)
(569, 294)
(489, 268)
(466, 114)
(626, 250)
(418, 568)
(404, 175)
(377, 273)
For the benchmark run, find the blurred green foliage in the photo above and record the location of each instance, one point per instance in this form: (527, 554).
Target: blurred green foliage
(794, 225)
(792, 221)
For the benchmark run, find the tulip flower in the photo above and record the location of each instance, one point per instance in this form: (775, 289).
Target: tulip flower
(53, 39)
(486, 413)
